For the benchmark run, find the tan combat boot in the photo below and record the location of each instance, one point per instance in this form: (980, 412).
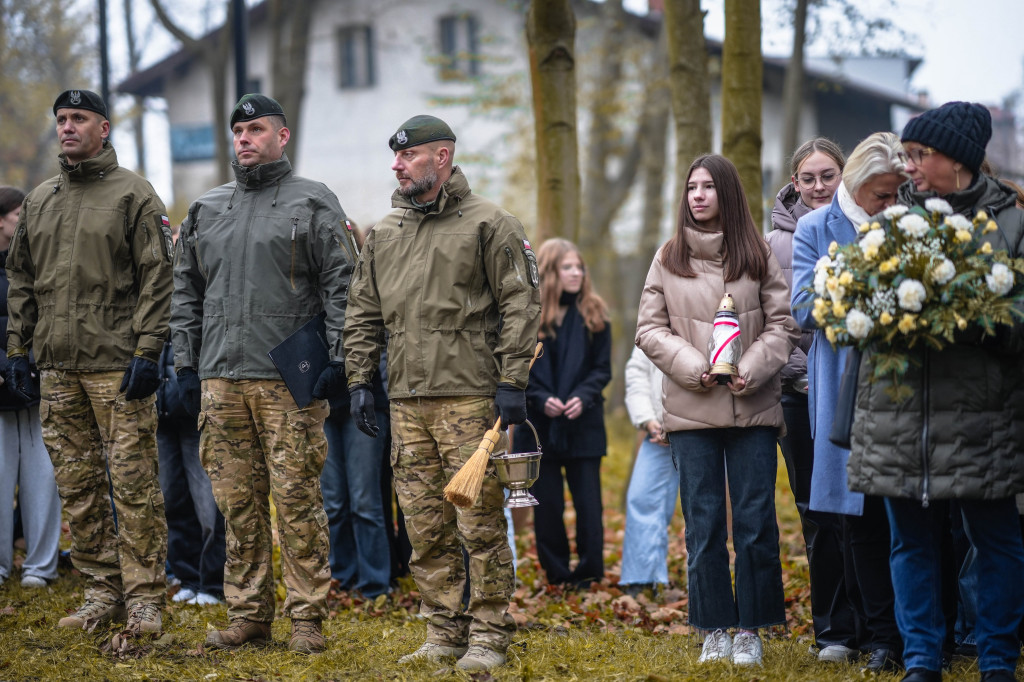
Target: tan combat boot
(144, 618)
(480, 657)
(429, 651)
(307, 637)
(238, 633)
(91, 614)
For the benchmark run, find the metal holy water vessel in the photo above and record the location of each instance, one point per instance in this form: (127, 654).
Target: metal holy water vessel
(517, 471)
(724, 346)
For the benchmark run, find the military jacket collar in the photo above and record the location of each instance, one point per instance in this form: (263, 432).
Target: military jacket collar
(263, 174)
(457, 187)
(94, 168)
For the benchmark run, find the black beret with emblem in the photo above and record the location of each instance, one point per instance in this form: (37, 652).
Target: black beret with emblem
(420, 130)
(80, 99)
(255, 105)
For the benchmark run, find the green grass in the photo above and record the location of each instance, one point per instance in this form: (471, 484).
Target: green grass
(598, 635)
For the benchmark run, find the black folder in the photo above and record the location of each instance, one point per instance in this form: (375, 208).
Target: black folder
(301, 358)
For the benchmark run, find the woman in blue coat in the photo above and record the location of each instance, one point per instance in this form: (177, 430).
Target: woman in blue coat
(871, 177)
(565, 405)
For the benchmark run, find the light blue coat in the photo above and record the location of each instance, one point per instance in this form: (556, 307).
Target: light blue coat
(814, 232)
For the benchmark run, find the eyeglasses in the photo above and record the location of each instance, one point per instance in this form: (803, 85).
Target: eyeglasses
(917, 155)
(828, 178)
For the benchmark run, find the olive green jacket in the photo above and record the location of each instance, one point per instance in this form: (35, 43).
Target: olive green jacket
(256, 259)
(455, 286)
(90, 269)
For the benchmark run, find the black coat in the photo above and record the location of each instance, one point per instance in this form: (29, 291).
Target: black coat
(7, 400)
(583, 369)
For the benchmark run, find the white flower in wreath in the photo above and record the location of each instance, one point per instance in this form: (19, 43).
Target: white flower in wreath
(823, 263)
(820, 278)
(958, 222)
(1000, 280)
(913, 225)
(895, 211)
(858, 324)
(944, 271)
(936, 205)
(873, 238)
(911, 295)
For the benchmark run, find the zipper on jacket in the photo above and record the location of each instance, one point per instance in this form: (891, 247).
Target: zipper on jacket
(291, 275)
(925, 476)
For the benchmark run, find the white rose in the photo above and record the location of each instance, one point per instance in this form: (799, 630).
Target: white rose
(913, 225)
(936, 205)
(911, 295)
(823, 262)
(820, 277)
(858, 324)
(944, 271)
(873, 238)
(1000, 281)
(958, 222)
(895, 211)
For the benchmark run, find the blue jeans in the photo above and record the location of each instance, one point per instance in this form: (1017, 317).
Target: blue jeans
(748, 457)
(195, 527)
(650, 504)
(916, 564)
(360, 555)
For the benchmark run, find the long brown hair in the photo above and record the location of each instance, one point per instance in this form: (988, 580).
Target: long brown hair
(591, 307)
(745, 251)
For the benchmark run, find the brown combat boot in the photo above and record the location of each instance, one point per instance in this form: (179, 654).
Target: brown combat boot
(307, 637)
(238, 633)
(92, 613)
(144, 618)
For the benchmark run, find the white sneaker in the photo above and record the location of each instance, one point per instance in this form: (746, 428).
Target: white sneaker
(837, 653)
(183, 595)
(717, 645)
(746, 649)
(32, 581)
(204, 599)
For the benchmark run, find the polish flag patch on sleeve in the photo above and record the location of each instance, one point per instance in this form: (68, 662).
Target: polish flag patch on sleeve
(165, 221)
(526, 244)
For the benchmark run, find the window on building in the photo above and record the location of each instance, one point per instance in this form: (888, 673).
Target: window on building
(459, 47)
(355, 57)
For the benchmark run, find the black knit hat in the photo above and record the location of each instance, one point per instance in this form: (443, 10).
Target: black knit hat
(960, 130)
(80, 99)
(420, 130)
(254, 106)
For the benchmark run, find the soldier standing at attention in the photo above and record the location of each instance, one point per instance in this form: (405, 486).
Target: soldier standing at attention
(256, 259)
(90, 274)
(453, 279)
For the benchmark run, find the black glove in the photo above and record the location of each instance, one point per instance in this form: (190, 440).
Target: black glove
(331, 382)
(141, 379)
(19, 379)
(511, 404)
(189, 390)
(362, 409)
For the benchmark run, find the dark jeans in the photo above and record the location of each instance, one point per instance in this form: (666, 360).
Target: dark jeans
(195, 527)
(833, 615)
(584, 478)
(747, 456)
(351, 485)
(868, 581)
(917, 561)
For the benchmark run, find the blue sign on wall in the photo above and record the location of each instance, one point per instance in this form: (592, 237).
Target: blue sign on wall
(192, 143)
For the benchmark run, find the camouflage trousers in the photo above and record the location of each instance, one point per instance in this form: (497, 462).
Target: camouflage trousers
(90, 429)
(254, 443)
(432, 439)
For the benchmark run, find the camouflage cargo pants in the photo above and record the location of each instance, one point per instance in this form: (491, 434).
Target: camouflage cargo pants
(255, 443)
(89, 429)
(432, 439)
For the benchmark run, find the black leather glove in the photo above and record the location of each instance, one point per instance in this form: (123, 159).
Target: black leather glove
(511, 404)
(189, 390)
(141, 379)
(362, 409)
(19, 379)
(331, 381)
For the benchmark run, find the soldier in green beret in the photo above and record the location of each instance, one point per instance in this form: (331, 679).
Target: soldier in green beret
(452, 278)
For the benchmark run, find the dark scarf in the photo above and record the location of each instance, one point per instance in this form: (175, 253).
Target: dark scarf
(568, 352)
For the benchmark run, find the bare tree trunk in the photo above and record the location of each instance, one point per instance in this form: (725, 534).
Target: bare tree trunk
(215, 57)
(551, 35)
(288, 61)
(688, 79)
(792, 89)
(138, 108)
(742, 70)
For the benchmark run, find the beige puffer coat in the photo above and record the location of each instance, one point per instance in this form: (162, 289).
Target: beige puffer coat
(676, 320)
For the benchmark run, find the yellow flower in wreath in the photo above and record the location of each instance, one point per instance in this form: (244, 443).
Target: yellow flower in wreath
(885, 318)
(907, 323)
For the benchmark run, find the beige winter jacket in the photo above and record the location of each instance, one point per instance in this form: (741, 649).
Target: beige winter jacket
(675, 322)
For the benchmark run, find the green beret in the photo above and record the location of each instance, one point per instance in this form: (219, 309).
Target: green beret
(253, 106)
(80, 99)
(420, 130)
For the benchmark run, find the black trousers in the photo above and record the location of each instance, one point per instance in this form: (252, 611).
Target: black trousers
(868, 578)
(833, 616)
(584, 478)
